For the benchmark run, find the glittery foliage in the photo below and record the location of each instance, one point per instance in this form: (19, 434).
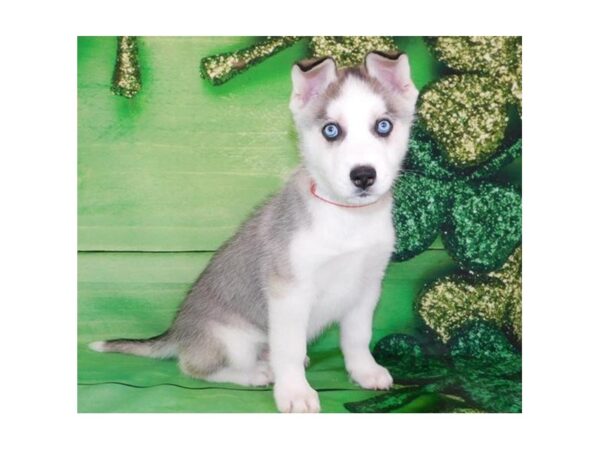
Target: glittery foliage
(452, 301)
(127, 80)
(480, 220)
(479, 371)
(420, 209)
(425, 158)
(467, 113)
(220, 68)
(347, 51)
(483, 225)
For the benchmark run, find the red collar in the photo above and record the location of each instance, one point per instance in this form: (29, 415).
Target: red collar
(313, 191)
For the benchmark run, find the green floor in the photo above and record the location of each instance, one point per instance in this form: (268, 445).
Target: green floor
(136, 295)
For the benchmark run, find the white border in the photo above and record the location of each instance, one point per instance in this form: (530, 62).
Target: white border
(560, 222)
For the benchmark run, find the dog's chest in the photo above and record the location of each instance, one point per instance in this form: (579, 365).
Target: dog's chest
(339, 257)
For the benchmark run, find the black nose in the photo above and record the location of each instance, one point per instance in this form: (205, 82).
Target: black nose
(363, 176)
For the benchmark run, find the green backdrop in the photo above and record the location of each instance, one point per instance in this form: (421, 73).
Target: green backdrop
(163, 179)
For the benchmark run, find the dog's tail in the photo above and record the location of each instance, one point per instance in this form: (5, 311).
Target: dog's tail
(155, 347)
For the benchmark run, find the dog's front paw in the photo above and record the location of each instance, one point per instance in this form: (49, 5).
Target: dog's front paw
(373, 377)
(296, 398)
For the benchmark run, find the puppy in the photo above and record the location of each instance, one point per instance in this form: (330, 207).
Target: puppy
(314, 254)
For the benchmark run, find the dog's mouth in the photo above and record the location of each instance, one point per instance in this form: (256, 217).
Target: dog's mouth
(367, 195)
(364, 193)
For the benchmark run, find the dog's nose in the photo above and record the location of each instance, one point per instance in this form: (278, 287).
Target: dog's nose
(363, 176)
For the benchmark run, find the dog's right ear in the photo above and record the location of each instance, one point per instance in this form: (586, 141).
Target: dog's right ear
(310, 78)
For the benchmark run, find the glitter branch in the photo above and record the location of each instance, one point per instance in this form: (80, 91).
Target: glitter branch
(127, 80)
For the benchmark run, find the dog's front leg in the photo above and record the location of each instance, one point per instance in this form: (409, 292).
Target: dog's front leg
(288, 323)
(355, 333)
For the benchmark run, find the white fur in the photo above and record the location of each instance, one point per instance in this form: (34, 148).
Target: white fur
(338, 262)
(244, 345)
(243, 342)
(356, 110)
(259, 374)
(97, 346)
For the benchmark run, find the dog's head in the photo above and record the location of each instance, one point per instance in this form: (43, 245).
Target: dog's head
(353, 124)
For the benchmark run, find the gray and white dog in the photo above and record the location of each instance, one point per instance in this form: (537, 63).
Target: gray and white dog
(315, 254)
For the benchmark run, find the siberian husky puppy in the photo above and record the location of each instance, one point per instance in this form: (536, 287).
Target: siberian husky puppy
(314, 254)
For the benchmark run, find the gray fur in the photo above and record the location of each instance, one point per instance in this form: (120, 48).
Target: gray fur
(156, 347)
(394, 107)
(334, 90)
(231, 288)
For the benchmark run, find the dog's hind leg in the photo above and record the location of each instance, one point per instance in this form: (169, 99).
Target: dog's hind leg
(244, 346)
(202, 359)
(258, 375)
(232, 354)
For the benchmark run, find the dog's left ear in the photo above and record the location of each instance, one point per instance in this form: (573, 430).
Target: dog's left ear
(393, 71)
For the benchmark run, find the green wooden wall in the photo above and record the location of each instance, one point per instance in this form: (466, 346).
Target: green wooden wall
(179, 166)
(163, 179)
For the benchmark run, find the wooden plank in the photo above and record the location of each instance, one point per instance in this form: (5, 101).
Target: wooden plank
(182, 164)
(116, 398)
(107, 398)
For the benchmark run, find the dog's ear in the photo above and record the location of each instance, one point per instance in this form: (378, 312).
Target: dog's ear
(310, 78)
(393, 71)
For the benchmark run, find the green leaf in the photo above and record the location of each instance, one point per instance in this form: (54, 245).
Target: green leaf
(453, 301)
(387, 402)
(425, 156)
(483, 348)
(484, 226)
(409, 400)
(494, 394)
(420, 205)
(479, 54)
(407, 362)
(467, 116)
(511, 152)
(488, 367)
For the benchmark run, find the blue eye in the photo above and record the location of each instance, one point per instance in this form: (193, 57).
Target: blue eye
(383, 127)
(331, 131)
